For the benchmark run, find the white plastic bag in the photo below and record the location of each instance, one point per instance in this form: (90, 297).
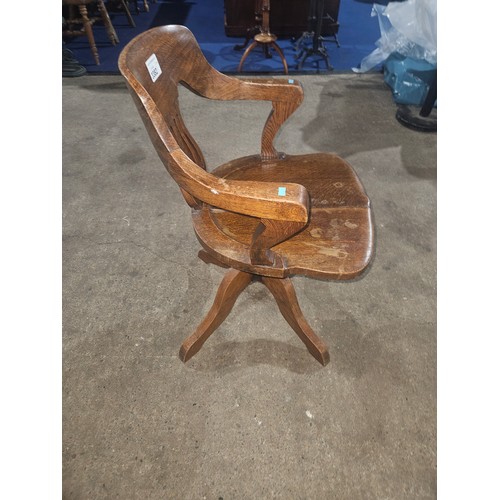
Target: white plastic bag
(408, 28)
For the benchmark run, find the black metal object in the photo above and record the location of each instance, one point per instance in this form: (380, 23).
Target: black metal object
(421, 121)
(315, 23)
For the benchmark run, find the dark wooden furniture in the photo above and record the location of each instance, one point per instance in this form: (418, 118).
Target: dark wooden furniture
(289, 18)
(264, 37)
(313, 33)
(121, 6)
(145, 5)
(84, 22)
(267, 216)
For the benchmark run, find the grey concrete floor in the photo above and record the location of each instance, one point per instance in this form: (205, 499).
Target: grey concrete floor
(252, 415)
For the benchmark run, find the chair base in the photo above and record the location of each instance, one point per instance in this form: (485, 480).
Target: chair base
(233, 283)
(266, 40)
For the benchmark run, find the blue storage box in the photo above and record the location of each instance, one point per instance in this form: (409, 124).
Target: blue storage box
(408, 78)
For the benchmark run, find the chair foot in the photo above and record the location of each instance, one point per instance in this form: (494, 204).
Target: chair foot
(232, 285)
(284, 293)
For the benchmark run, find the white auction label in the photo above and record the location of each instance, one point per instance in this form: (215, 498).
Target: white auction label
(153, 67)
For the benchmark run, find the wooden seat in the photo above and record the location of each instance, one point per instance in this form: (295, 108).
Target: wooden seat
(266, 217)
(85, 21)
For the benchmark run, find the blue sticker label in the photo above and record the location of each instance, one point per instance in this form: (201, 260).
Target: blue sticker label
(282, 191)
(291, 81)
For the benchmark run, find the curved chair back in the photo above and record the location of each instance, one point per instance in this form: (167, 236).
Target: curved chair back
(154, 63)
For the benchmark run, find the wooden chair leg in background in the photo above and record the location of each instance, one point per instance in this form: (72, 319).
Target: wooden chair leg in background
(124, 4)
(232, 285)
(110, 30)
(87, 26)
(284, 293)
(145, 4)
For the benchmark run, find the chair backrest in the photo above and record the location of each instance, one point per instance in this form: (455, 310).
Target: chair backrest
(154, 63)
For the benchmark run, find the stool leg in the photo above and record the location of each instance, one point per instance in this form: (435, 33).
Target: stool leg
(127, 13)
(245, 55)
(87, 26)
(110, 30)
(283, 60)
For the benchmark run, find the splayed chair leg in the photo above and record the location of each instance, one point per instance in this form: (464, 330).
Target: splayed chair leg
(232, 285)
(284, 293)
(245, 55)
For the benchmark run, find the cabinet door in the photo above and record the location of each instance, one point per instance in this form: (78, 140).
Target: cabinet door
(239, 15)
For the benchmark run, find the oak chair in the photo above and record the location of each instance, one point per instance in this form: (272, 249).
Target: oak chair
(265, 217)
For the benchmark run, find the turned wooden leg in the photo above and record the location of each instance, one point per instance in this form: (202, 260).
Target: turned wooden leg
(280, 52)
(245, 55)
(110, 30)
(127, 13)
(87, 26)
(284, 293)
(232, 285)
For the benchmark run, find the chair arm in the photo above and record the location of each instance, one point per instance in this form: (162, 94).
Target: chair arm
(283, 208)
(264, 200)
(285, 95)
(217, 86)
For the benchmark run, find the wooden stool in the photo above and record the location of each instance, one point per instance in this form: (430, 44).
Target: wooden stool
(87, 23)
(265, 37)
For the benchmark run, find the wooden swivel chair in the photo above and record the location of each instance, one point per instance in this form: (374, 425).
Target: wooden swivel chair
(266, 217)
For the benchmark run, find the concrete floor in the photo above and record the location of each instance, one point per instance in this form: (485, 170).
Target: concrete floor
(252, 415)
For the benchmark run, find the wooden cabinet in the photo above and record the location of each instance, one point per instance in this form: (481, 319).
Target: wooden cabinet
(287, 17)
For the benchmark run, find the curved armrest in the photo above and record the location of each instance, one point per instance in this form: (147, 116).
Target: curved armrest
(283, 209)
(214, 85)
(286, 96)
(264, 200)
